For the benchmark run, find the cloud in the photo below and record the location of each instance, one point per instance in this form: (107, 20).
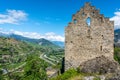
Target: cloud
(116, 19)
(13, 17)
(4, 31)
(53, 36)
(49, 36)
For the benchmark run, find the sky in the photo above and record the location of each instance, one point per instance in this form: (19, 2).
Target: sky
(48, 18)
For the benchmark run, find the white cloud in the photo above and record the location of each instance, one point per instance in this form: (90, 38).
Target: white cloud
(53, 36)
(116, 19)
(13, 17)
(4, 31)
(49, 36)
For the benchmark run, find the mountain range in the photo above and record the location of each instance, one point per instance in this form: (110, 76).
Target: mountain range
(42, 41)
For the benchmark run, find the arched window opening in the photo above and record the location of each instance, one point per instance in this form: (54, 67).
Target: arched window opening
(88, 21)
(75, 21)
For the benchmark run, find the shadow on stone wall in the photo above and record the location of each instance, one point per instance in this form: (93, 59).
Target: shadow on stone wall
(63, 66)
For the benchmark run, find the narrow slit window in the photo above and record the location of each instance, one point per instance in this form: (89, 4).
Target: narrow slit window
(75, 21)
(88, 21)
(83, 14)
(88, 31)
(102, 37)
(93, 13)
(101, 48)
(101, 19)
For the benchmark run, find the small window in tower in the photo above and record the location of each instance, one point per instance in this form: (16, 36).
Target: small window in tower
(100, 48)
(101, 19)
(88, 31)
(88, 21)
(102, 37)
(93, 13)
(75, 21)
(83, 14)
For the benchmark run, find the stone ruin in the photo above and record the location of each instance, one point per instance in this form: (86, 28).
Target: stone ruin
(89, 35)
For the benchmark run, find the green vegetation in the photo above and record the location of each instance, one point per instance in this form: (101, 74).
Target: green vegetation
(75, 74)
(21, 60)
(97, 78)
(15, 65)
(65, 76)
(13, 53)
(117, 54)
(56, 55)
(35, 69)
(1, 77)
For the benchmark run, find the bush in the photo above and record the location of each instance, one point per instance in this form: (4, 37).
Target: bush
(68, 74)
(1, 75)
(35, 69)
(96, 78)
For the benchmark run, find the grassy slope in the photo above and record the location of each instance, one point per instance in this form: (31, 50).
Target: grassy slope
(17, 51)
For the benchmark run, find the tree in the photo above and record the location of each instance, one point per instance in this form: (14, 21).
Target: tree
(35, 69)
(1, 75)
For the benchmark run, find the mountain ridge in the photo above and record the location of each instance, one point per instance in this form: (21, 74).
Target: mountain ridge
(41, 41)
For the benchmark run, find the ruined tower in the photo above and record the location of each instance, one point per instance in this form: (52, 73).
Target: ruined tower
(87, 36)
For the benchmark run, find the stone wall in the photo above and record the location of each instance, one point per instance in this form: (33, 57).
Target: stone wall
(87, 40)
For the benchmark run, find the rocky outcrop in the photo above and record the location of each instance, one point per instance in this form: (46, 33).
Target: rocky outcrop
(100, 65)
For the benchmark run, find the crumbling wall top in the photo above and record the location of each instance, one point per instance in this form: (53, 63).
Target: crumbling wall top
(91, 12)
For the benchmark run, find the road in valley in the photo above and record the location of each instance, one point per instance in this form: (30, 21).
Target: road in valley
(44, 57)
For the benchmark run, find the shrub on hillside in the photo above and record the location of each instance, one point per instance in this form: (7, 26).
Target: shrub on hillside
(117, 54)
(68, 74)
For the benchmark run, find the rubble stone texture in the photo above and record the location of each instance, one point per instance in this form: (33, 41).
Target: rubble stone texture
(100, 65)
(87, 36)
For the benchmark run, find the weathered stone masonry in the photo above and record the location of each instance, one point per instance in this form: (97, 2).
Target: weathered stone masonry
(88, 36)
